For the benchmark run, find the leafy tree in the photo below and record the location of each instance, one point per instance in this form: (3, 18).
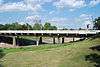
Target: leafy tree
(24, 27)
(64, 29)
(97, 23)
(53, 28)
(29, 27)
(1, 27)
(48, 26)
(15, 26)
(37, 26)
(6, 27)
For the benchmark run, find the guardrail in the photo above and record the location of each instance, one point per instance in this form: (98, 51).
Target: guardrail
(51, 31)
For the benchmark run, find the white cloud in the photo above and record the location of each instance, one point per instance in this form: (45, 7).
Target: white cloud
(72, 4)
(35, 18)
(60, 22)
(36, 5)
(94, 2)
(37, 1)
(86, 19)
(33, 5)
(86, 16)
(51, 12)
(13, 6)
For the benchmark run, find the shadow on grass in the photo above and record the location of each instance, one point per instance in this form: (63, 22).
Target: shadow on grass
(95, 36)
(93, 58)
(97, 48)
(2, 54)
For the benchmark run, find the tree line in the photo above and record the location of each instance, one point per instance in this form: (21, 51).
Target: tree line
(36, 26)
(39, 26)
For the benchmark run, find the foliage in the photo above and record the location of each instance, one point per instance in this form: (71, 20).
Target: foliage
(13, 26)
(48, 26)
(37, 26)
(97, 23)
(1, 53)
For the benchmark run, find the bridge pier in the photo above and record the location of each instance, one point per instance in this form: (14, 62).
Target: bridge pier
(14, 40)
(73, 39)
(58, 40)
(62, 40)
(37, 43)
(54, 40)
(40, 40)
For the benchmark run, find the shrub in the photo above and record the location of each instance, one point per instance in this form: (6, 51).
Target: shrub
(1, 53)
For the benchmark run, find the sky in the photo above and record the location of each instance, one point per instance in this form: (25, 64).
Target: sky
(61, 13)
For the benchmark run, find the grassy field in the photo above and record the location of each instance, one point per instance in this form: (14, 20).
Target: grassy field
(77, 54)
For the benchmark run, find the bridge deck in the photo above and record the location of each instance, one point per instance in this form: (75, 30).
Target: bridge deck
(51, 31)
(54, 33)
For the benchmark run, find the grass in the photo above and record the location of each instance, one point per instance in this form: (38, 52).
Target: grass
(59, 55)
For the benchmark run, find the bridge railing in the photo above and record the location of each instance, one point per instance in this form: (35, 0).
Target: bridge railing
(52, 31)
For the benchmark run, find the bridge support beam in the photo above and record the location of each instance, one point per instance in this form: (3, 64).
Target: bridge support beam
(54, 40)
(62, 40)
(14, 40)
(40, 40)
(37, 43)
(73, 39)
(58, 40)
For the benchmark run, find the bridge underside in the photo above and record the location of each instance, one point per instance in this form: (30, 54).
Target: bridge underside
(40, 36)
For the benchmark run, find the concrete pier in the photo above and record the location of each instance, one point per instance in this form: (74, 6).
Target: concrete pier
(37, 43)
(54, 40)
(62, 40)
(14, 40)
(58, 40)
(40, 40)
(73, 39)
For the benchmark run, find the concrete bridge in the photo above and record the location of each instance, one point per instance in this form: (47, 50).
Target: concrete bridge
(48, 33)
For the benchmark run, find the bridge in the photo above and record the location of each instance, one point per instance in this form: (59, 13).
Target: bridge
(48, 33)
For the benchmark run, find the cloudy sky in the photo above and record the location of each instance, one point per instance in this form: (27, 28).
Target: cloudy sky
(62, 13)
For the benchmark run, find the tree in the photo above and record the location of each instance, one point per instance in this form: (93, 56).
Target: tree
(37, 26)
(53, 28)
(64, 29)
(26, 27)
(1, 27)
(13, 26)
(48, 26)
(16, 26)
(97, 23)
(6, 27)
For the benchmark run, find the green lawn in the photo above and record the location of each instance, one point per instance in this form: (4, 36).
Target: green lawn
(59, 55)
